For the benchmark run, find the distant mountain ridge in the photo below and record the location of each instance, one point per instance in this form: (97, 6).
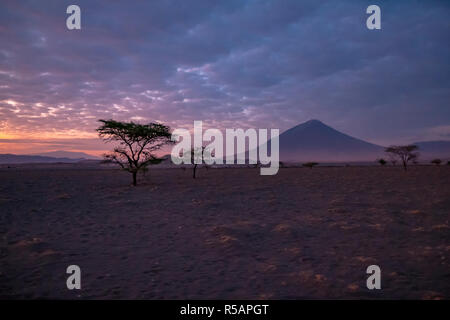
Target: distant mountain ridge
(47, 157)
(67, 154)
(309, 141)
(15, 159)
(315, 141)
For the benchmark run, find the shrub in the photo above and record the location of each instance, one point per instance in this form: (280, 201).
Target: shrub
(310, 164)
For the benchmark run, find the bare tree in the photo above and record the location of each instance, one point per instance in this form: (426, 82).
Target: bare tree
(404, 153)
(137, 142)
(198, 156)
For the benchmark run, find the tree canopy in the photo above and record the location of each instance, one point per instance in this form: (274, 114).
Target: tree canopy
(137, 142)
(404, 153)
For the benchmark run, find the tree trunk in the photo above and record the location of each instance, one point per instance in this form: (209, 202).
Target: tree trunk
(195, 168)
(134, 178)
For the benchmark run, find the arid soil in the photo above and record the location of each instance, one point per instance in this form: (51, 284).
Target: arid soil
(230, 234)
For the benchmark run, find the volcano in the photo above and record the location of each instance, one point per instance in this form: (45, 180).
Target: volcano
(315, 141)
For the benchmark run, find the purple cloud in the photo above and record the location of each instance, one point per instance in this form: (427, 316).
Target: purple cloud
(228, 63)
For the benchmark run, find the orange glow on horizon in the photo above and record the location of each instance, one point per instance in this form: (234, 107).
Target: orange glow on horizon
(7, 136)
(45, 135)
(72, 140)
(15, 142)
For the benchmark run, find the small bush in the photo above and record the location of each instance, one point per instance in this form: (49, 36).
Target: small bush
(436, 161)
(310, 164)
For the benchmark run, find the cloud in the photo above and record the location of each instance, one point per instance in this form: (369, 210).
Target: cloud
(228, 63)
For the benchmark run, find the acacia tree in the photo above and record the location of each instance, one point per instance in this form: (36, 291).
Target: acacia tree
(404, 153)
(199, 155)
(137, 142)
(382, 162)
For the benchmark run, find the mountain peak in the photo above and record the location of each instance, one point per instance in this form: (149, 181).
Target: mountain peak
(310, 124)
(314, 140)
(313, 121)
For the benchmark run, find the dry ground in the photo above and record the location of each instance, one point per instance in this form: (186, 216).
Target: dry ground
(230, 234)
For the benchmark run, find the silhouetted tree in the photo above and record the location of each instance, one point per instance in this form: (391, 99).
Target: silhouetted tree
(436, 161)
(382, 162)
(136, 144)
(310, 164)
(404, 153)
(198, 156)
(392, 159)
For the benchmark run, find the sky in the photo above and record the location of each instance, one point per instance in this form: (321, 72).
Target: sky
(231, 64)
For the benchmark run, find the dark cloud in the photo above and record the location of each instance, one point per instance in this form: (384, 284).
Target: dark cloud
(229, 63)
